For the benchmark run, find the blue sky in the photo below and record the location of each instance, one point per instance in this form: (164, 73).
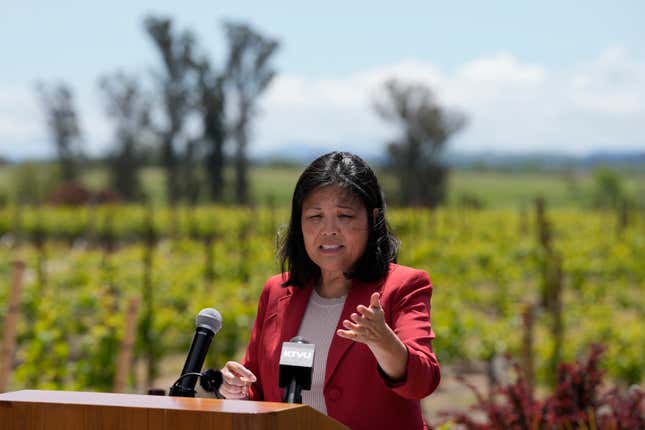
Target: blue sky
(548, 76)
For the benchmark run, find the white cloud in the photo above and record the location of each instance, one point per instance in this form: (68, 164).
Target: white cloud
(611, 84)
(500, 68)
(23, 131)
(512, 106)
(17, 109)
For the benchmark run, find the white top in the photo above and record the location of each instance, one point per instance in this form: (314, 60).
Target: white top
(318, 326)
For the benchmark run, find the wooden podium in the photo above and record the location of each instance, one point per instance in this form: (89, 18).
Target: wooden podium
(66, 410)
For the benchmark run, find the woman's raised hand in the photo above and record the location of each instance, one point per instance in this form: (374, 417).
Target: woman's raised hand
(236, 381)
(368, 326)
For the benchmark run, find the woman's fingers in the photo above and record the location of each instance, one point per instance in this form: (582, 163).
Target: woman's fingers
(374, 308)
(347, 334)
(350, 325)
(231, 378)
(236, 380)
(367, 324)
(244, 373)
(230, 388)
(363, 310)
(375, 301)
(234, 373)
(232, 392)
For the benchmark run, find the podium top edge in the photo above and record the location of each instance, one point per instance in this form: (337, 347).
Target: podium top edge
(145, 401)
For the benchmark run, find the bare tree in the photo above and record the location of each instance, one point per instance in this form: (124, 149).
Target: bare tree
(212, 107)
(129, 107)
(249, 72)
(425, 128)
(175, 89)
(192, 178)
(62, 121)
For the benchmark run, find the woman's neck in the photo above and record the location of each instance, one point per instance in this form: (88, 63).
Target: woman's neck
(333, 285)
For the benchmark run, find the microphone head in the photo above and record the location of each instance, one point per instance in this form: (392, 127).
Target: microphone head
(298, 339)
(209, 319)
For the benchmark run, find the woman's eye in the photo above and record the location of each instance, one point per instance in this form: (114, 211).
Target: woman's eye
(346, 216)
(314, 216)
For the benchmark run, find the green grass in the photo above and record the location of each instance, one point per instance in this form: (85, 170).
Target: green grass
(275, 184)
(501, 189)
(511, 189)
(493, 189)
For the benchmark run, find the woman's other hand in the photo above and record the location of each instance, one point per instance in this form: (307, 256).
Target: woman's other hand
(236, 381)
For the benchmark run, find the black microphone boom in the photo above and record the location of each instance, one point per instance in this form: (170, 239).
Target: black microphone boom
(208, 322)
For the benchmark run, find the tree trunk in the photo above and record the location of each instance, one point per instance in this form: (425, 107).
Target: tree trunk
(215, 168)
(241, 167)
(170, 165)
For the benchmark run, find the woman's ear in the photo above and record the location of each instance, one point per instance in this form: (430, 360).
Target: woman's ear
(374, 216)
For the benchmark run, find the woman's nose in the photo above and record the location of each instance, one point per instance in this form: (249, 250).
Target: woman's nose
(330, 226)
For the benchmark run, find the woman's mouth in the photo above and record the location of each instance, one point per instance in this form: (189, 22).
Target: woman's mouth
(330, 249)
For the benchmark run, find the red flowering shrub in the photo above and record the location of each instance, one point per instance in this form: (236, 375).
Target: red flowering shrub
(578, 390)
(70, 194)
(73, 194)
(576, 403)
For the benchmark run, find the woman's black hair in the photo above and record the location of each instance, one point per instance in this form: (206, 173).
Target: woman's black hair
(353, 175)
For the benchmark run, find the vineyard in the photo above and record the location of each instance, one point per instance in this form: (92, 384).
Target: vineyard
(495, 275)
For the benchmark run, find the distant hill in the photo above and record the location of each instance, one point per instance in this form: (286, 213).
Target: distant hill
(299, 153)
(304, 153)
(546, 161)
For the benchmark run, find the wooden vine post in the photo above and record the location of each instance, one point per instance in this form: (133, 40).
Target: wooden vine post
(527, 362)
(623, 216)
(9, 335)
(552, 285)
(523, 221)
(124, 360)
(146, 325)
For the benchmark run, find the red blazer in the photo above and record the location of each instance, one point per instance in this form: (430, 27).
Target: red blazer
(357, 392)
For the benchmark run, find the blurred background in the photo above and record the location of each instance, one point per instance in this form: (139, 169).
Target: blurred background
(148, 152)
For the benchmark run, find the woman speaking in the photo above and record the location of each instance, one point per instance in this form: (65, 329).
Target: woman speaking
(342, 290)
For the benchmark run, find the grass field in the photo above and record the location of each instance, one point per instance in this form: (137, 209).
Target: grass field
(491, 188)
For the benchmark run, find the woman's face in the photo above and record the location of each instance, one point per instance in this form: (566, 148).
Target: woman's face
(334, 226)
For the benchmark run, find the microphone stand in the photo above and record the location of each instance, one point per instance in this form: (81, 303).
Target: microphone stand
(293, 393)
(210, 380)
(178, 390)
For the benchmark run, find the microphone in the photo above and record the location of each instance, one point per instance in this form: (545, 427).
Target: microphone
(296, 367)
(208, 322)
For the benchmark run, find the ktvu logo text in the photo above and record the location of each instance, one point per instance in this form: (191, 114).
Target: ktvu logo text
(298, 354)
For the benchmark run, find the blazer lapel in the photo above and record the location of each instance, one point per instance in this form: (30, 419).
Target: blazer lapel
(358, 294)
(292, 307)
